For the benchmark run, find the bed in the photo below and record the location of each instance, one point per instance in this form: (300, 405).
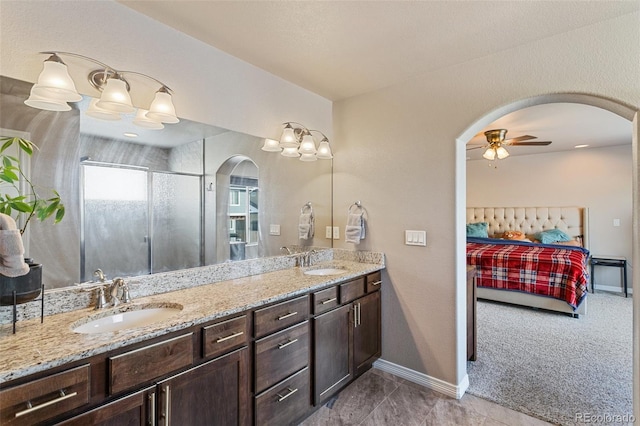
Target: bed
(529, 274)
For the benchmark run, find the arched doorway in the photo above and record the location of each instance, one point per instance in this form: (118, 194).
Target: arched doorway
(623, 110)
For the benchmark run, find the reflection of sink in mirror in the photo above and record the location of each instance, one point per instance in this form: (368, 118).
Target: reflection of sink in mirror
(138, 317)
(325, 271)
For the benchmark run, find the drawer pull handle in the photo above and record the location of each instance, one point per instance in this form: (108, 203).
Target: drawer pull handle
(31, 409)
(289, 315)
(284, 345)
(283, 397)
(222, 339)
(333, 299)
(376, 283)
(152, 408)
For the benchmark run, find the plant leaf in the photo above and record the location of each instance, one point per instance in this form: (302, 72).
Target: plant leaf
(59, 214)
(26, 146)
(21, 206)
(7, 143)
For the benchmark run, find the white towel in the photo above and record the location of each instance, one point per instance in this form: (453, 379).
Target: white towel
(306, 228)
(11, 249)
(354, 231)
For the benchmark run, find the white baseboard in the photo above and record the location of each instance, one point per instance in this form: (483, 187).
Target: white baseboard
(451, 390)
(612, 289)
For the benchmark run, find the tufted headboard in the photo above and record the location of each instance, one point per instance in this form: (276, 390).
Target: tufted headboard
(530, 220)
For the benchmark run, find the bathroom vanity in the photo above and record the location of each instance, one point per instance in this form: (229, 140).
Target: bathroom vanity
(266, 349)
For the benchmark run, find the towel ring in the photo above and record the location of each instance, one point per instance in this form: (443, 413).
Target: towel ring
(357, 205)
(306, 207)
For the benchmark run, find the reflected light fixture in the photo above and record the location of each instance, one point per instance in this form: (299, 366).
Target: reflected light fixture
(297, 141)
(55, 88)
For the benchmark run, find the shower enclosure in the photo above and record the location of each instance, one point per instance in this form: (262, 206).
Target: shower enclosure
(135, 221)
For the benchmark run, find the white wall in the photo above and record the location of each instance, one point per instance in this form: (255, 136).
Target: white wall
(210, 86)
(397, 154)
(599, 179)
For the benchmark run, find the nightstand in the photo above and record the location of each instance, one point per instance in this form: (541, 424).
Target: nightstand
(616, 261)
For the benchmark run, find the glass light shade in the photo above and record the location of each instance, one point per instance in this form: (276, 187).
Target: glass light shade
(489, 154)
(271, 145)
(308, 145)
(308, 157)
(162, 108)
(39, 102)
(290, 152)
(115, 97)
(288, 138)
(96, 112)
(54, 82)
(324, 151)
(143, 121)
(502, 153)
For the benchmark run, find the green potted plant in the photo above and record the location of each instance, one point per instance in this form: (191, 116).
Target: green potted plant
(23, 206)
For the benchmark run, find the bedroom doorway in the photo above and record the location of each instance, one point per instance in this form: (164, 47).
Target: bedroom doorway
(461, 200)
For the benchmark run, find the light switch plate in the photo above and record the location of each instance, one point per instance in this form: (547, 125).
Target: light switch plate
(616, 222)
(327, 232)
(336, 232)
(274, 229)
(415, 238)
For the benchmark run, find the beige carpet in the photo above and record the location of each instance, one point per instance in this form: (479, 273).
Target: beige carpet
(560, 369)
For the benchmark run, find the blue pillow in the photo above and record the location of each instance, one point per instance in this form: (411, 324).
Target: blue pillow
(552, 236)
(479, 229)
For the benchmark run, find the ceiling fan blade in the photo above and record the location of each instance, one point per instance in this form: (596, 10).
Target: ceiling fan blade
(476, 147)
(534, 143)
(519, 138)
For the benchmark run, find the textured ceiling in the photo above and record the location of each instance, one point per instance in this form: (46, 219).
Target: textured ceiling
(339, 49)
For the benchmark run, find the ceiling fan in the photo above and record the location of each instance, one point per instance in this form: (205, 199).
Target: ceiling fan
(497, 142)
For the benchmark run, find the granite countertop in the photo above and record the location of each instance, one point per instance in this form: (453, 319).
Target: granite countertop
(37, 347)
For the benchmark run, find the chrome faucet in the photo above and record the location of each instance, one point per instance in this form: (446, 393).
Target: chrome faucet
(119, 286)
(100, 275)
(285, 249)
(304, 259)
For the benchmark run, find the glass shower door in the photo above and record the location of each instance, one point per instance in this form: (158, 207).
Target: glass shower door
(115, 218)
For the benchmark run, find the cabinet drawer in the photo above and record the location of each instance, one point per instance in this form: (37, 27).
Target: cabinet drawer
(325, 300)
(281, 354)
(277, 317)
(374, 281)
(224, 336)
(43, 399)
(351, 290)
(150, 362)
(285, 403)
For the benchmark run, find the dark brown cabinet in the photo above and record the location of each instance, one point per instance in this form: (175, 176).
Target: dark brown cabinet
(333, 349)
(214, 393)
(366, 331)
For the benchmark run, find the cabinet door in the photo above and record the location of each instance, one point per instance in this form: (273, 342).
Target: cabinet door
(214, 393)
(366, 331)
(333, 366)
(137, 409)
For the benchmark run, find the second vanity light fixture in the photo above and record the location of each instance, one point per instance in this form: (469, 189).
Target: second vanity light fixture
(55, 89)
(297, 142)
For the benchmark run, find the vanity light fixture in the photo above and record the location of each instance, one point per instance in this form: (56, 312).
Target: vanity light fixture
(297, 142)
(55, 88)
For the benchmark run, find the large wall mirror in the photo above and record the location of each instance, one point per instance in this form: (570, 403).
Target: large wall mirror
(185, 196)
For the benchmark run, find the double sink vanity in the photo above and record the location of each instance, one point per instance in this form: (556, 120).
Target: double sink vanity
(264, 349)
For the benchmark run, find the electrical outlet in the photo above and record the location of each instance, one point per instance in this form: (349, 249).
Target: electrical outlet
(336, 232)
(616, 222)
(327, 232)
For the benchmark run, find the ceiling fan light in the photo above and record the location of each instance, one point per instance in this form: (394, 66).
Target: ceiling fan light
(489, 154)
(288, 138)
(271, 145)
(162, 108)
(54, 82)
(502, 153)
(115, 97)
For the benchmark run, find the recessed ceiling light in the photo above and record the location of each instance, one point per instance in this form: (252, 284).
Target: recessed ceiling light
(130, 134)
(581, 146)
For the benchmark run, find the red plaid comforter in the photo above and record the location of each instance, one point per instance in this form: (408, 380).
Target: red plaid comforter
(543, 269)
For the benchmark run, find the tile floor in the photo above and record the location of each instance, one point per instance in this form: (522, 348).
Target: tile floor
(378, 398)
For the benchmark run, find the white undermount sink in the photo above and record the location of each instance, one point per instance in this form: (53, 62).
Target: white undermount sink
(133, 318)
(325, 271)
